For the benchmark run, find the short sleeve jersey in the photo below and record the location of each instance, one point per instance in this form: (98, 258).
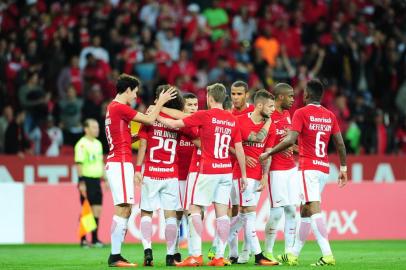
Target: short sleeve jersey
(282, 122)
(118, 133)
(185, 152)
(89, 153)
(315, 125)
(218, 129)
(253, 149)
(161, 157)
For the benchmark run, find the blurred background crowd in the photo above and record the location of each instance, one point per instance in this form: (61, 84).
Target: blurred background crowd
(59, 61)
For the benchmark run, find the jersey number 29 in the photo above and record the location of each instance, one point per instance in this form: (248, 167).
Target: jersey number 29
(169, 145)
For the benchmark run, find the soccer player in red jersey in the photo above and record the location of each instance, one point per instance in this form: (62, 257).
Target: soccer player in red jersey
(256, 178)
(184, 152)
(218, 129)
(239, 95)
(313, 125)
(283, 178)
(119, 167)
(160, 187)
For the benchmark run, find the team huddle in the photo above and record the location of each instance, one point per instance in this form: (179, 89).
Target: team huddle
(189, 159)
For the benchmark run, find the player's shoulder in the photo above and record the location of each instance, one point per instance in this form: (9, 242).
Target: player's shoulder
(242, 117)
(81, 142)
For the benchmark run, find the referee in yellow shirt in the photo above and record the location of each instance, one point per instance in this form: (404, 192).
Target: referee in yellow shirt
(90, 166)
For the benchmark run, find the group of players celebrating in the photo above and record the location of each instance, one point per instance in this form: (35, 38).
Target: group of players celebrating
(189, 159)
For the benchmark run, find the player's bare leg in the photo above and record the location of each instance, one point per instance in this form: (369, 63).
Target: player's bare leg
(146, 236)
(118, 231)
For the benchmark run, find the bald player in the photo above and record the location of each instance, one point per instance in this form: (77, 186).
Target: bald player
(282, 181)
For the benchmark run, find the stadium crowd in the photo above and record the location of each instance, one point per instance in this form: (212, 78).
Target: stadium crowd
(59, 61)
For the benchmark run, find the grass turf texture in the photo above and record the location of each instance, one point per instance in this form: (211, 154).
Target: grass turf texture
(349, 255)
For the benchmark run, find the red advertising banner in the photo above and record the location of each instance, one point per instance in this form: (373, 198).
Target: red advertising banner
(32, 169)
(358, 211)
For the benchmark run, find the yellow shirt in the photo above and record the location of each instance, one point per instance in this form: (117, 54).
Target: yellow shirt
(89, 153)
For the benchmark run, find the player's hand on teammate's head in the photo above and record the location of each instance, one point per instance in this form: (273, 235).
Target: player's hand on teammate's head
(167, 95)
(138, 178)
(243, 183)
(250, 161)
(342, 179)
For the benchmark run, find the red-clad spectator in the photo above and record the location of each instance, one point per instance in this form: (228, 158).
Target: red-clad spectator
(201, 47)
(380, 136)
(401, 138)
(96, 71)
(313, 10)
(65, 18)
(130, 55)
(84, 35)
(183, 67)
(193, 23)
(290, 37)
(70, 75)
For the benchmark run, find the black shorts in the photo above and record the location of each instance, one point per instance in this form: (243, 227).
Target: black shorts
(93, 191)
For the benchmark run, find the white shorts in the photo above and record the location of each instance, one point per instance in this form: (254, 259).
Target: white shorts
(250, 196)
(156, 194)
(121, 180)
(235, 193)
(311, 185)
(210, 188)
(182, 193)
(283, 188)
(190, 182)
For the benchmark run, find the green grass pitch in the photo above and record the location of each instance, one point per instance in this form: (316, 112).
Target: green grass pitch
(356, 255)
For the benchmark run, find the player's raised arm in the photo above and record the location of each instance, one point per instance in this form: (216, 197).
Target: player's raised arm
(289, 140)
(340, 146)
(171, 123)
(150, 118)
(174, 113)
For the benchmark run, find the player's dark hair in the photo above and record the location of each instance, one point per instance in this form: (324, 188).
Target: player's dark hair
(189, 96)
(262, 95)
(126, 81)
(315, 89)
(280, 88)
(217, 91)
(227, 103)
(240, 84)
(87, 122)
(176, 103)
